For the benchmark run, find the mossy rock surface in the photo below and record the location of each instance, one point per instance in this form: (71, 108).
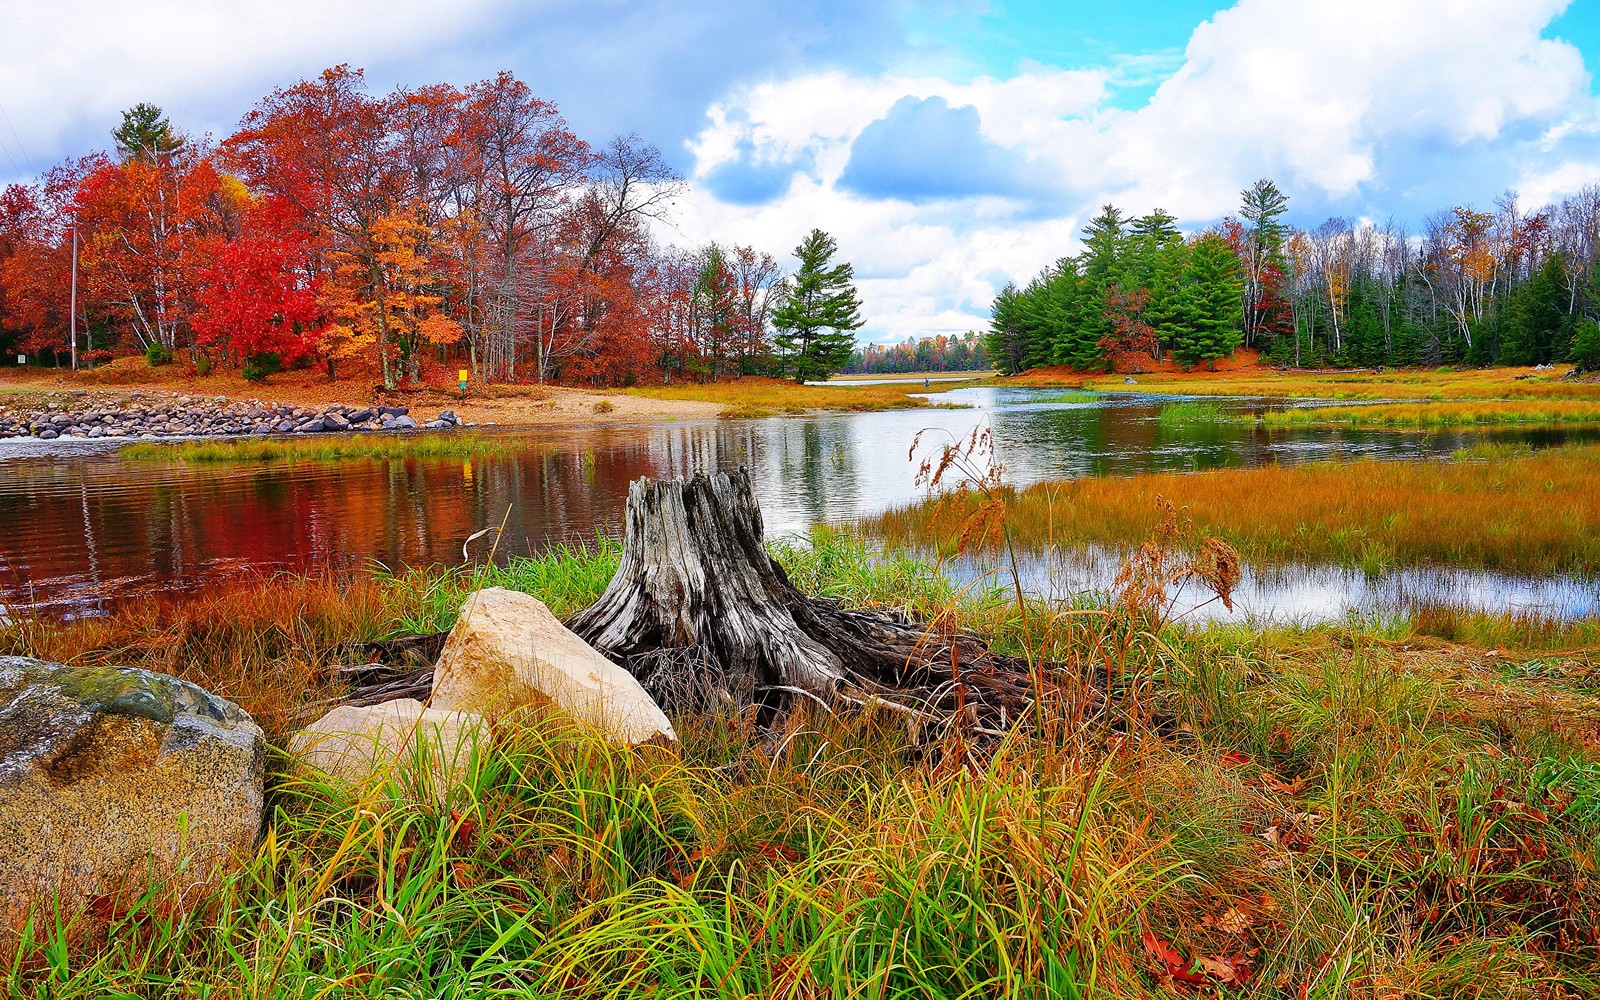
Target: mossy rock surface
(111, 777)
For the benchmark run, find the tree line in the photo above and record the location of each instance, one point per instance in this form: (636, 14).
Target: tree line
(398, 233)
(1511, 286)
(943, 353)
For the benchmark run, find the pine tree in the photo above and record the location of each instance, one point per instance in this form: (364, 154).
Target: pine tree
(818, 311)
(145, 134)
(1211, 305)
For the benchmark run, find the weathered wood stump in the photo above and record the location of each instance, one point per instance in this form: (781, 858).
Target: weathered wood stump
(702, 615)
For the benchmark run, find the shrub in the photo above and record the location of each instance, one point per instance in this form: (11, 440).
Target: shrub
(604, 406)
(258, 366)
(202, 363)
(157, 355)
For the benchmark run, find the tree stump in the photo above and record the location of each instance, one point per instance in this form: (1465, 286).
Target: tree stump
(702, 615)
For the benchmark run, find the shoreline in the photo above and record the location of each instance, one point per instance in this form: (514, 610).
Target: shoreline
(25, 399)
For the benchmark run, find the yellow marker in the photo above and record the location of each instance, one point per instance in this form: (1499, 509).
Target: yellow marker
(463, 374)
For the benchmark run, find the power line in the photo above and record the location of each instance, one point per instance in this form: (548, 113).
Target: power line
(18, 141)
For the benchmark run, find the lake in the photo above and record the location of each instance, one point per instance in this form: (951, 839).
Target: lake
(86, 529)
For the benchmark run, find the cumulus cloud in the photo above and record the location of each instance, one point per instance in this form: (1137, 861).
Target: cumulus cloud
(1356, 107)
(924, 150)
(70, 67)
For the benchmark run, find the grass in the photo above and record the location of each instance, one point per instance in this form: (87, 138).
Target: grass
(1424, 384)
(1071, 396)
(1442, 414)
(1492, 508)
(1191, 411)
(1324, 813)
(323, 448)
(1334, 812)
(755, 396)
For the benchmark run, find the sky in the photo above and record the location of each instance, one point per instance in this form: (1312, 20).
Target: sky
(950, 146)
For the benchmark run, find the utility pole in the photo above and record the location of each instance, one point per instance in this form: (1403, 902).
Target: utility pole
(72, 321)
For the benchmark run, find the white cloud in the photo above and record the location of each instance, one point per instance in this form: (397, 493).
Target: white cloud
(70, 67)
(1343, 102)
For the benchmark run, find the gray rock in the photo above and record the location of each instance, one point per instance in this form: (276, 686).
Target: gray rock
(404, 424)
(438, 425)
(49, 434)
(335, 421)
(314, 426)
(449, 417)
(359, 416)
(111, 775)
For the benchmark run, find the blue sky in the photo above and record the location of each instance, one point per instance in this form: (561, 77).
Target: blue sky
(949, 145)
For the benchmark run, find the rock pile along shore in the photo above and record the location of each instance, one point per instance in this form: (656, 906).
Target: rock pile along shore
(196, 417)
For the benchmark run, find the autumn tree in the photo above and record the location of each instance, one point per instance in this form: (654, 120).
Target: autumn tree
(818, 311)
(327, 148)
(259, 294)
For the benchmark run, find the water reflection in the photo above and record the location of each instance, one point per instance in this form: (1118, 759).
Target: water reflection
(85, 529)
(1300, 593)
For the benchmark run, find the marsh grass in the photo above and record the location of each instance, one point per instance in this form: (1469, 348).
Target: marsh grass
(324, 448)
(1343, 811)
(1492, 508)
(1071, 396)
(754, 396)
(1441, 414)
(1192, 411)
(1440, 384)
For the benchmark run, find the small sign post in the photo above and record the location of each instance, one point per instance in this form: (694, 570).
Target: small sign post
(22, 359)
(463, 374)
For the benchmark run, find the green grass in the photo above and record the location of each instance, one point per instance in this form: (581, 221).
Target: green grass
(1071, 396)
(320, 448)
(1192, 411)
(1347, 811)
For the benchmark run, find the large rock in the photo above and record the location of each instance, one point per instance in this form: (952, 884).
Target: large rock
(426, 750)
(507, 651)
(109, 775)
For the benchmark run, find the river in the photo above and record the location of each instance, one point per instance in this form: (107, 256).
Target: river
(85, 529)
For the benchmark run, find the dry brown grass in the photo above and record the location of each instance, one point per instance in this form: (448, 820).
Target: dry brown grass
(1444, 414)
(262, 643)
(757, 396)
(1517, 512)
(1428, 384)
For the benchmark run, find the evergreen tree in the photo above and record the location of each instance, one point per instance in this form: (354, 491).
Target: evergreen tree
(1211, 309)
(1586, 346)
(1007, 337)
(145, 134)
(818, 310)
(1535, 326)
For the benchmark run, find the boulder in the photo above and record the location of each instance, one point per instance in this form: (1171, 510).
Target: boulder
(112, 775)
(402, 424)
(507, 651)
(335, 421)
(427, 750)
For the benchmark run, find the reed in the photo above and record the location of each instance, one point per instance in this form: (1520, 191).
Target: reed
(1517, 512)
(1332, 812)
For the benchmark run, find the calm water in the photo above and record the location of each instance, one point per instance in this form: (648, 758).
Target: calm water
(84, 529)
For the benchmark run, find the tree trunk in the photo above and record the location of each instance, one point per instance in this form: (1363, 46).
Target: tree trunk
(702, 615)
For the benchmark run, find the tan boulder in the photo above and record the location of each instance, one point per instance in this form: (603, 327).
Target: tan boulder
(507, 651)
(428, 751)
(112, 776)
